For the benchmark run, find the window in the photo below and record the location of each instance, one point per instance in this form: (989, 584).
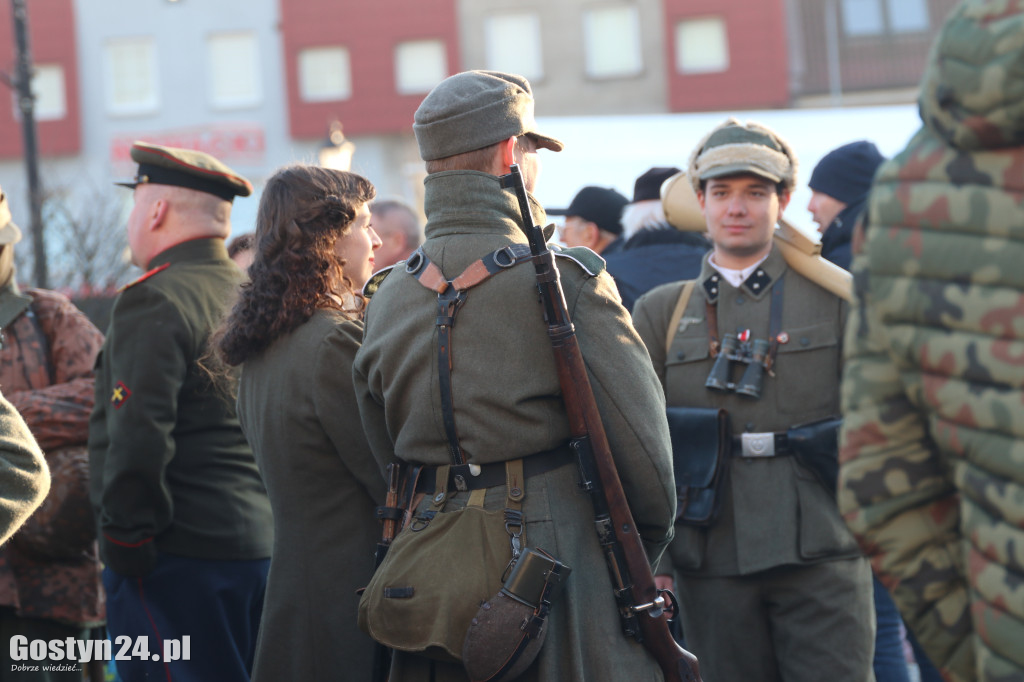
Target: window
(611, 37)
(419, 66)
(233, 72)
(325, 74)
(908, 16)
(513, 44)
(701, 46)
(131, 76)
(48, 87)
(869, 17)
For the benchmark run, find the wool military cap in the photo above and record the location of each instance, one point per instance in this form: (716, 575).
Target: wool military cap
(186, 168)
(474, 109)
(734, 147)
(599, 205)
(9, 232)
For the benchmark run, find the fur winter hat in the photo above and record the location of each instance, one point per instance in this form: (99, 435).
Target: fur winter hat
(734, 147)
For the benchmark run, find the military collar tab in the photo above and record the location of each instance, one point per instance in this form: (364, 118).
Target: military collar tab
(713, 285)
(758, 282)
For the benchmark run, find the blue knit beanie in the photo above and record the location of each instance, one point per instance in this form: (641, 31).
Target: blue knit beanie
(846, 173)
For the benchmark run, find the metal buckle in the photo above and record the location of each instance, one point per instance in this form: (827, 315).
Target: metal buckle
(758, 444)
(508, 253)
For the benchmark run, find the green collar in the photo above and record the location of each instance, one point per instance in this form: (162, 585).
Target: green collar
(464, 202)
(204, 248)
(756, 285)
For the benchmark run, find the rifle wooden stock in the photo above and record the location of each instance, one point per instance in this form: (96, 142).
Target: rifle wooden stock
(641, 608)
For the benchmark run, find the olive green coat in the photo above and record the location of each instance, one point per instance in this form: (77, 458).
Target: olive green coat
(774, 511)
(297, 408)
(508, 405)
(170, 468)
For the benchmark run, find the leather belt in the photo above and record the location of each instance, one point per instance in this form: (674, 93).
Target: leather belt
(765, 444)
(463, 477)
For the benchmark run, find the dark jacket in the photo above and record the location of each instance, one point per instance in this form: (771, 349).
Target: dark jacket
(171, 469)
(835, 243)
(653, 257)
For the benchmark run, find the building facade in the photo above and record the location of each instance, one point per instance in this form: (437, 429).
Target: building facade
(259, 83)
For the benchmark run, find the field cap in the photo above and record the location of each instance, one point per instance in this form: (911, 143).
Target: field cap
(474, 109)
(187, 168)
(599, 205)
(734, 147)
(9, 232)
(648, 185)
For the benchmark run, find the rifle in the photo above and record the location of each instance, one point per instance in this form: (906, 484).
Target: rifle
(641, 606)
(389, 515)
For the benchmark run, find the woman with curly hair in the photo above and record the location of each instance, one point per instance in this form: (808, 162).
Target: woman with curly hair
(294, 330)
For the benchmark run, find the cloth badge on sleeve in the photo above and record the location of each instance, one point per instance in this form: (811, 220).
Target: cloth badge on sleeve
(120, 395)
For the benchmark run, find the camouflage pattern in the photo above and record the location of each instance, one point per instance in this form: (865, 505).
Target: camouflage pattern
(932, 454)
(50, 568)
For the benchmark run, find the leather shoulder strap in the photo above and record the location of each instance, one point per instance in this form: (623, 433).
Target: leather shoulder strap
(677, 313)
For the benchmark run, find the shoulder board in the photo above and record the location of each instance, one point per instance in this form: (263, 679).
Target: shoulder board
(159, 268)
(591, 263)
(372, 284)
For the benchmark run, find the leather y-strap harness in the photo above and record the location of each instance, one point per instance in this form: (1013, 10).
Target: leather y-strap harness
(451, 294)
(774, 322)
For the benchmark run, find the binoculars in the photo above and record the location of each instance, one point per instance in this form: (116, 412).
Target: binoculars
(753, 354)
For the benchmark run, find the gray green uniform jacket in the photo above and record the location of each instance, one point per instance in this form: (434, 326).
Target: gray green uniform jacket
(774, 511)
(170, 467)
(297, 407)
(24, 478)
(508, 405)
(932, 480)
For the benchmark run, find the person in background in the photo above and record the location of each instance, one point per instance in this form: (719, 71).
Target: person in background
(49, 571)
(932, 446)
(184, 521)
(241, 250)
(398, 228)
(654, 252)
(296, 327)
(593, 220)
(773, 586)
(839, 191)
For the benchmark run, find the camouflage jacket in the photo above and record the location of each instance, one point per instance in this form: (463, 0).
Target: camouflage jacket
(50, 568)
(932, 475)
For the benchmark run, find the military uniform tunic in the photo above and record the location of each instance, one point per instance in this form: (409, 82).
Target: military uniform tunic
(508, 405)
(171, 469)
(774, 515)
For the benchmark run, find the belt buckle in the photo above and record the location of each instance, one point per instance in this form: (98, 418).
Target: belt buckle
(758, 444)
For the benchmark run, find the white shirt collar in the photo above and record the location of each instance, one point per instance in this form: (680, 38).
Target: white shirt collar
(736, 277)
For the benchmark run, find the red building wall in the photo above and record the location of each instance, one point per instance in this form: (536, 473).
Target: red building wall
(370, 31)
(758, 73)
(52, 40)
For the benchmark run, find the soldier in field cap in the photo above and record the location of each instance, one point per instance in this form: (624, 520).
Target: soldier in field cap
(184, 521)
(505, 408)
(754, 338)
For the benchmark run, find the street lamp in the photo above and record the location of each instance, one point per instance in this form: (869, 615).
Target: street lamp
(336, 152)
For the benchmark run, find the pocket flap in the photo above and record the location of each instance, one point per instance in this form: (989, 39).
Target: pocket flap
(697, 444)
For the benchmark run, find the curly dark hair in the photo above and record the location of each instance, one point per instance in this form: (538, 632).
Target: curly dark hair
(303, 211)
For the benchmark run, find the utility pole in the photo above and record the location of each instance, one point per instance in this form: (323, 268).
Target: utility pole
(26, 105)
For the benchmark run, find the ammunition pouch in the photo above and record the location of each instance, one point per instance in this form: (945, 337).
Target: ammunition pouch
(816, 447)
(509, 629)
(701, 446)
